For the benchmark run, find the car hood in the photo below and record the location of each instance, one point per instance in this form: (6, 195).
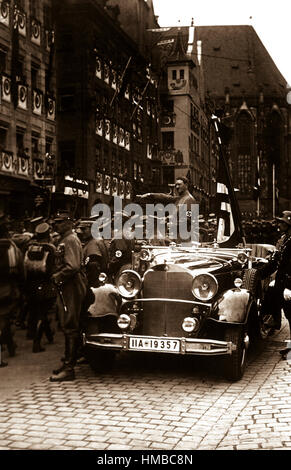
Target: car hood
(207, 260)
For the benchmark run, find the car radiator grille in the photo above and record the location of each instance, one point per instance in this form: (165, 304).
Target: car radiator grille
(163, 318)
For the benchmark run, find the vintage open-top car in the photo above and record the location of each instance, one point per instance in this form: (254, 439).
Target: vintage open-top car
(195, 300)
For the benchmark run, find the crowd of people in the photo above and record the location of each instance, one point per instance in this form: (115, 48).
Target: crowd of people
(46, 271)
(51, 267)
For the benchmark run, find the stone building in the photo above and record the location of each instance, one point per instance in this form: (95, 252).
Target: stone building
(246, 89)
(27, 107)
(188, 142)
(108, 130)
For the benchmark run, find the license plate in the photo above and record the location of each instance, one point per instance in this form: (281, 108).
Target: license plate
(152, 344)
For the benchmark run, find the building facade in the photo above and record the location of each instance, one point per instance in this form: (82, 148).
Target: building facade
(187, 138)
(248, 92)
(97, 101)
(108, 130)
(27, 108)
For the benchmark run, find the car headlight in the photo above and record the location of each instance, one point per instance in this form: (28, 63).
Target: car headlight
(204, 286)
(128, 284)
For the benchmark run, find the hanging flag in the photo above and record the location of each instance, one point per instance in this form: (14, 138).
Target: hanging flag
(229, 228)
(124, 80)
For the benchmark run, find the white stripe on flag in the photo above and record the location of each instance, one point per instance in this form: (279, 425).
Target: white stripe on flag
(221, 237)
(222, 188)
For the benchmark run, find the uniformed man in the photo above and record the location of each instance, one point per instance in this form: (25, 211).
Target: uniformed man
(11, 279)
(120, 248)
(278, 295)
(39, 262)
(182, 198)
(95, 255)
(71, 283)
(183, 195)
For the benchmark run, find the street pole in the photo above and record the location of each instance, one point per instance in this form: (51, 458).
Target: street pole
(274, 191)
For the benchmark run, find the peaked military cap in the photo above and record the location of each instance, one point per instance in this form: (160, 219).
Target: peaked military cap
(286, 217)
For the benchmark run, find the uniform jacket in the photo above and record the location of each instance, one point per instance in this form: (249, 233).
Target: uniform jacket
(10, 285)
(280, 262)
(69, 259)
(72, 280)
(186, 199)
(95, 258)
(96, 248)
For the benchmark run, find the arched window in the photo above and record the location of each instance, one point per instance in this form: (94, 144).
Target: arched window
(244, 163)
(274, 137)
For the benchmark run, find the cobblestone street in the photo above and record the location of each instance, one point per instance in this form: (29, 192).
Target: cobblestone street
(173, 404)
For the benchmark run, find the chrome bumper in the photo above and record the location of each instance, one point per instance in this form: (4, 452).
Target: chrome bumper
(195, 346)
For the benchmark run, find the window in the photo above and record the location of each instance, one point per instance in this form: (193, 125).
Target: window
(47, 80)
(168, 140)
(48, 145)
(47, 16)
(19, 67)
(34, 4)
(35, 145)
(168, 175)
(67, 154)
(244, 154)
(114, 166)
(3, 138)
(168, 106)
(20, 4)
(34, 76)
(106, 159)
(3, 58)
(20, 133)
(98, 156)
(174, 74)
(182, 74)
(274, 137)
(67, 100)
(135, 172)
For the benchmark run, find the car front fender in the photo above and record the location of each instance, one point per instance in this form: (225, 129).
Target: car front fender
(234, 305)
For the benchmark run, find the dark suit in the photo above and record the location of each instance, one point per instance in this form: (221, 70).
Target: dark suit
(281, 264)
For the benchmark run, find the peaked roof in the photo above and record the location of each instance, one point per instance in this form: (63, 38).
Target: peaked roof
(235, 58)
(177, 51)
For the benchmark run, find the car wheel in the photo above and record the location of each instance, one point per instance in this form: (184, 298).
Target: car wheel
(99, 360)
(252, 282)
(235, 364)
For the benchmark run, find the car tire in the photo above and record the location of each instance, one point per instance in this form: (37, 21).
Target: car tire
(252, 282)
(234, 365)
(99, 360)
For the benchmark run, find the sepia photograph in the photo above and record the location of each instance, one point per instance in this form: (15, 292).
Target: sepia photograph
(145, 230)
